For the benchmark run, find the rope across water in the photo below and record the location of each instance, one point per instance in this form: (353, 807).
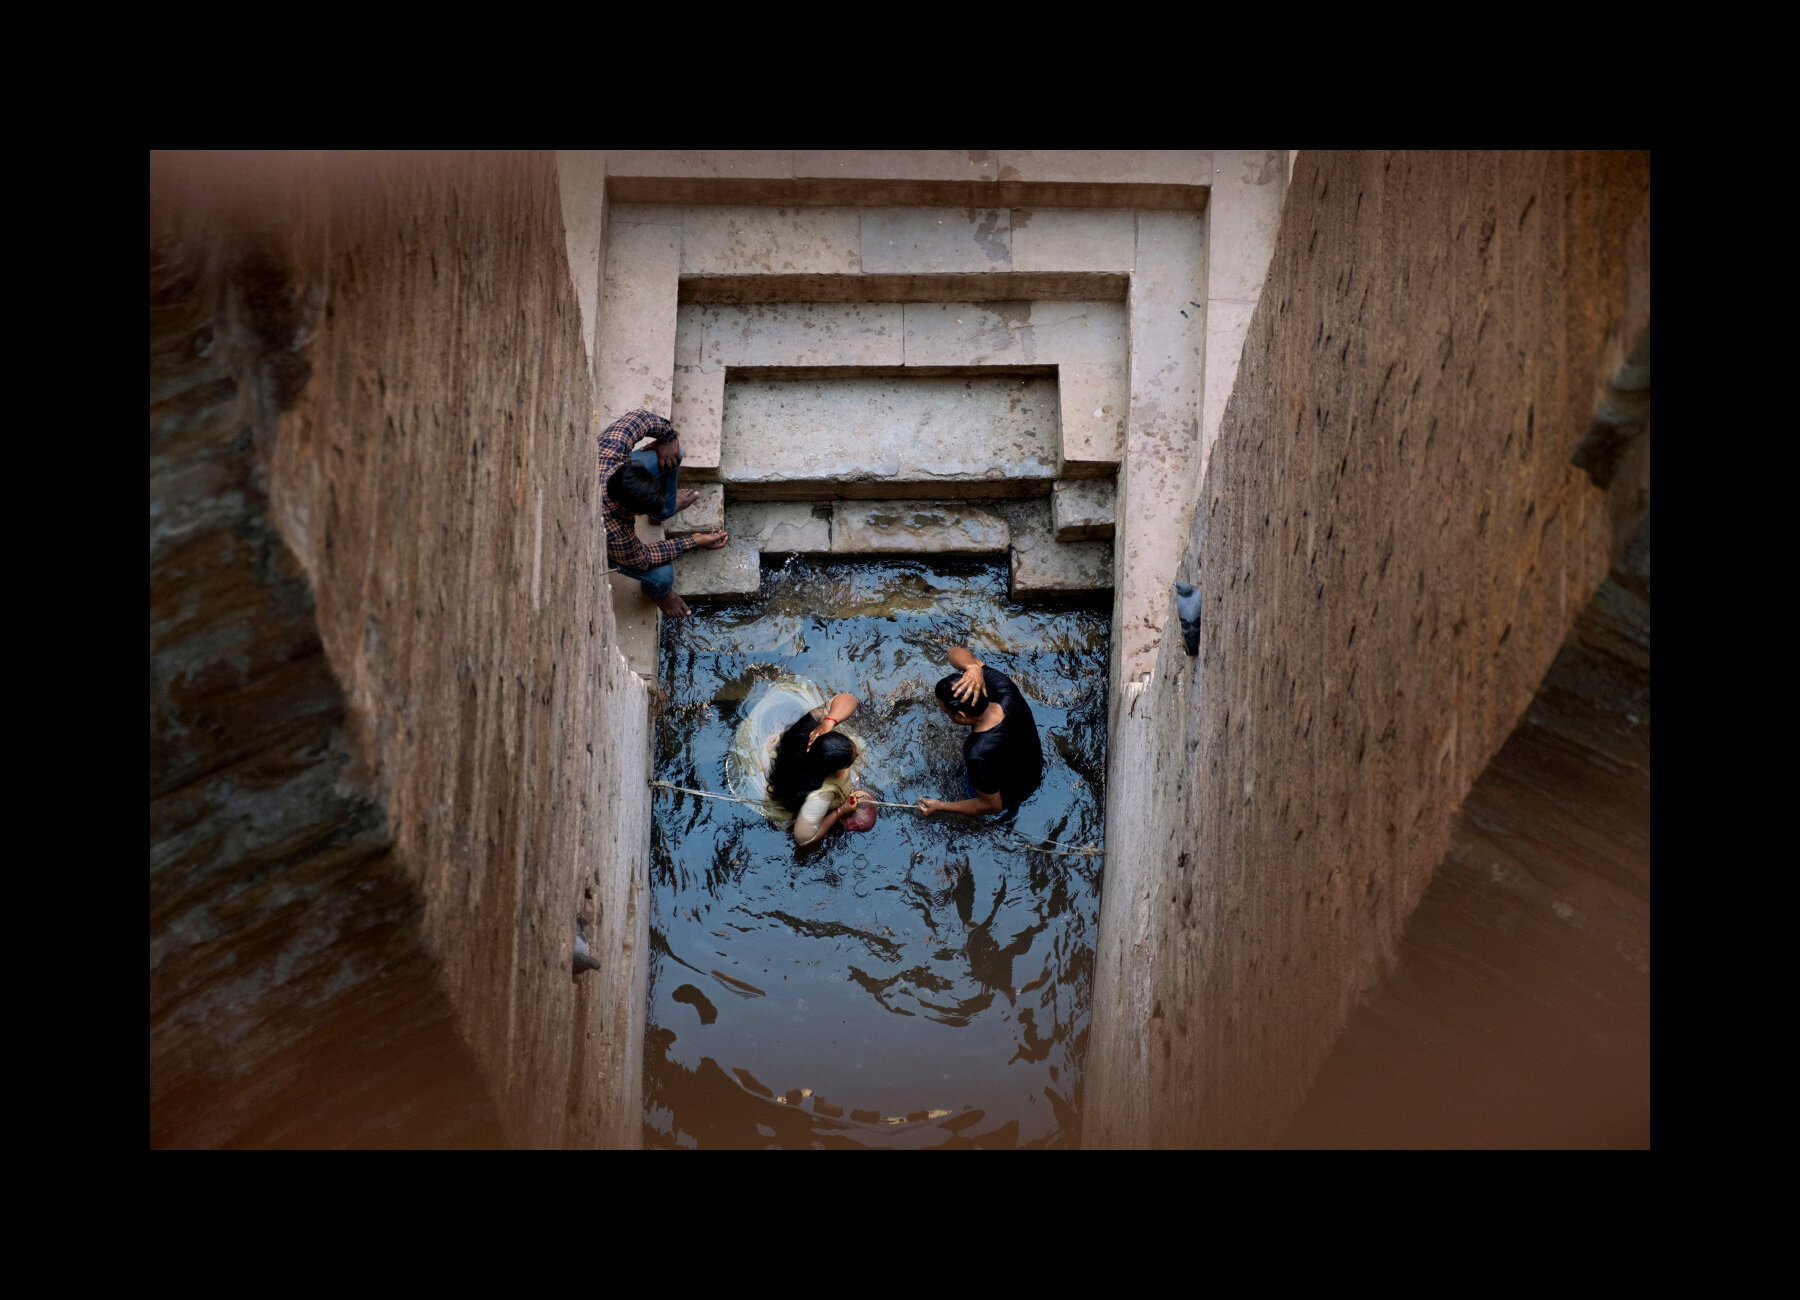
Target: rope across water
(1062, 850)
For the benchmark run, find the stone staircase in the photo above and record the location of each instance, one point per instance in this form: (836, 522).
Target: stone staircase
(1007, 528)
(892, 381)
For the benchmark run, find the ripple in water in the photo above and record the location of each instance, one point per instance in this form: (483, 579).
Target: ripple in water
(920, 984)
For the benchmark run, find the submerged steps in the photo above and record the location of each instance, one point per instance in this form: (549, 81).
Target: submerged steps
(1021, 531)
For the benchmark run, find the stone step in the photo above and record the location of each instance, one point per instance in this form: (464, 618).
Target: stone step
(723, 349)
(886, 437)
(1038, 179)
(697, 408)
(1043, 567)
(731, 572)
(639, 624)
(757, 528)
(1082, 509)
(637, 328)
(706, 515)
(916, 528)
(1092, 400)
(781, 527)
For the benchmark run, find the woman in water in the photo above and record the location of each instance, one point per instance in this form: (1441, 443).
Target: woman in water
(810, 776)
(778, 763)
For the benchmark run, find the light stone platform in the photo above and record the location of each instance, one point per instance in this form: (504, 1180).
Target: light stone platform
(1083, 342)
(886, 437)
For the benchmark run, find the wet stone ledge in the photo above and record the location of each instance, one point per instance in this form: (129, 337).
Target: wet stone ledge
(1021, 530)
(916, 528)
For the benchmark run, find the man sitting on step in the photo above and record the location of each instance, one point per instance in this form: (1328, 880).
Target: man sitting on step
(643, 482)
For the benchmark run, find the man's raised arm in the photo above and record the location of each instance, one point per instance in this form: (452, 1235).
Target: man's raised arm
(973, 683)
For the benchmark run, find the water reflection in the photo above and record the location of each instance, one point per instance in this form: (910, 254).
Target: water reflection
(920, 984)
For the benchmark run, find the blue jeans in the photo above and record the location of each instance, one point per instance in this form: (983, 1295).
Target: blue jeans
(660, 581)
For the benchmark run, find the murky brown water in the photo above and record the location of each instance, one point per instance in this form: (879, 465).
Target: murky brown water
(921, 984)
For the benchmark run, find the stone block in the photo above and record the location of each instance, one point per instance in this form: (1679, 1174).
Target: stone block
(1107, 166)
(770, 241)
(781, 527)
(699, 409)
(646, 214)
(732, 572)
(1043, 566)
(846, 437)
(636, 341)
(639, 624)
(1082, 509)
(916, 528)
(917, 286)
(1242, 216)
(1156, 478)
(743, 164)
(1073, 239)
(799, 334)
(1092, 409)
(895, 164)
(706, 515)
(909, 240)
(690, 331)
(1015, 333)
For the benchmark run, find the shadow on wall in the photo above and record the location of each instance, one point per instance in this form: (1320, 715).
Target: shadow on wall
(1519, 1012)
(292, 1003)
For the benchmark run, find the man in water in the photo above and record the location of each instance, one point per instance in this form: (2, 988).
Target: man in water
(643, 482)
(1001, 754)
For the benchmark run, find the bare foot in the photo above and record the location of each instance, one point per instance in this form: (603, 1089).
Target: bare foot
(685, 498)
(673, 606)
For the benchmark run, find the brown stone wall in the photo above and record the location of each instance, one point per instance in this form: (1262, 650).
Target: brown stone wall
(432, 476)
(1393, 542)
(1519, 1013)
(291, 999)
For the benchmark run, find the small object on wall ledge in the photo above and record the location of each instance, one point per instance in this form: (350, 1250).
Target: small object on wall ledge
(1187, 605)
(584, 960)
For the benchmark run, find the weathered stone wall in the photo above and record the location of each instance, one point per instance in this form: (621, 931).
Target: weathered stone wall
(433, 478)
(1393, 541)
(1518, 1015)
(291, 999)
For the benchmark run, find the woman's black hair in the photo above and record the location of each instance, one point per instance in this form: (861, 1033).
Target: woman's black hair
(798, 771)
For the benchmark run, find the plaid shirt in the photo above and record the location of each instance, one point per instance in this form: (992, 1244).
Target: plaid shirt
(623, 544)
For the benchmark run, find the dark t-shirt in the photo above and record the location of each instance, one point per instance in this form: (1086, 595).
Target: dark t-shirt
(1007, 757)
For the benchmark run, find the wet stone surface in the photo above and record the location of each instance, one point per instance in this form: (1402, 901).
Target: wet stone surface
(916, 527)
(921, 984)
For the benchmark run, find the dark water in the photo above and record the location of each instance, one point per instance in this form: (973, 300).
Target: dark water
(924, 983)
